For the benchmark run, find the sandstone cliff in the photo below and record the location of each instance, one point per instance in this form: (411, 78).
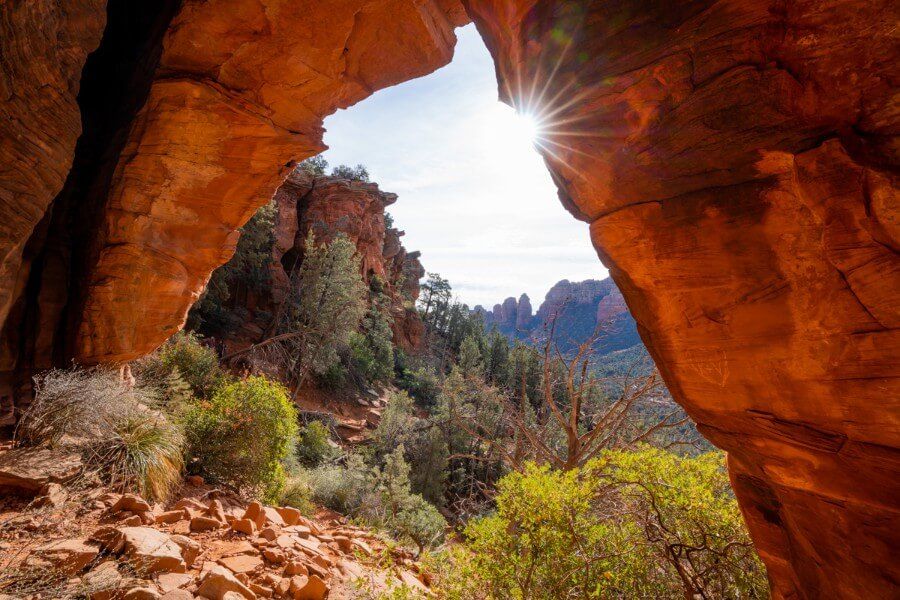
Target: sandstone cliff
(325, 206)
(737, 161)
(578, 310)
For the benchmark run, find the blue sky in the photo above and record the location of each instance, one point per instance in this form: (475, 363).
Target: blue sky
(474, 196)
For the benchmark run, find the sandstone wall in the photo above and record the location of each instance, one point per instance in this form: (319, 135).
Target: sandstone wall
(327, 206)
(736, 159)
(737, 162)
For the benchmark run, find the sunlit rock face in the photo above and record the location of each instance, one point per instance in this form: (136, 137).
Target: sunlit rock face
(240, 92)
(328, 206)
(737, 162)
(194, 112)
(736, 159)
(325, 207)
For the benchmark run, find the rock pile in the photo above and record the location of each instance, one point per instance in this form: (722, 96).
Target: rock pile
(209, 546)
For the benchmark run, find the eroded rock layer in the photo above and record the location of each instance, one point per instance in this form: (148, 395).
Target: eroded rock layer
(737, 161)
(324, 206)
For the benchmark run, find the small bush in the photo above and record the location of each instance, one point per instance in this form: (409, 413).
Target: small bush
(78, 404)
(357, 173)
(297, 494)
(144, 451)
(243, 434)
(197, 364)
(341, 488)
(421, 383)
(118, 428)
(391, 505)
(312, 445)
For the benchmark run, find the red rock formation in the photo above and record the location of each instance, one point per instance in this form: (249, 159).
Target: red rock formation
(523, 312)
(737, 162)
(328, 206)
(42, 52)
(736, 159)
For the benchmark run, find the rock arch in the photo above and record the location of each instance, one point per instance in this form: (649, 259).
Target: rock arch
(736, 161)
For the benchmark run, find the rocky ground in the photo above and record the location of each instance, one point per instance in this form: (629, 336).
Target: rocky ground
(64, 536)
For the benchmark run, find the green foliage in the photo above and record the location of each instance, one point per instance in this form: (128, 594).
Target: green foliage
(341, 487)
(243, 434)
(120, 429)
(324, 309)
(630, 524)
(372, 349)
(144, 450)
(317, 165)
(470, 360)
(312, 445)
(357, 173)
(420, 381)
(467, 404)
(248, 268)
(297, 493)
(425, 446)
(396, 425)
(185, 356)
(394, 507)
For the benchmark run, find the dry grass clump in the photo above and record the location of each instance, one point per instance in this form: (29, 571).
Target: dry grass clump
(120, 428)
(143, 450)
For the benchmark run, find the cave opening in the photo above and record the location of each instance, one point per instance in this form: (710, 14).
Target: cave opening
(114, 85)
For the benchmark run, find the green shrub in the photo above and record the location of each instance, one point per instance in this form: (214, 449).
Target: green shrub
(341, 488)
(243, 434)
(391, 505)
(197, 364)
(298, 494)
(421, 383)
(312, 446)
(617, 528)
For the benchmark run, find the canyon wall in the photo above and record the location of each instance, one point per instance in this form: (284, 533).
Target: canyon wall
(324, 206)
(736, 160)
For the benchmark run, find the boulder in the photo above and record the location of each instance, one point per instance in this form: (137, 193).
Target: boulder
(141, 593)
(205, 524)
(216, 511)
(295, 567)
(246, 526)
(53, 495)
(132, 503)
(242, 563)
(68, 557)
(172, 581)
(148, 550)
(171, 516)
(313, 589)
(29, 470)
(190, 549)
(218, 581)
(290, 515)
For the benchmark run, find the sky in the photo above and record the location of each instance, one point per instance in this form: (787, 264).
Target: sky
(474, 195)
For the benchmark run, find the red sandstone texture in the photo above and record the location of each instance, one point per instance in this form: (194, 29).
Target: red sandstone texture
(736, 159)
(737, 162)
(328, 206)
(42, 52)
